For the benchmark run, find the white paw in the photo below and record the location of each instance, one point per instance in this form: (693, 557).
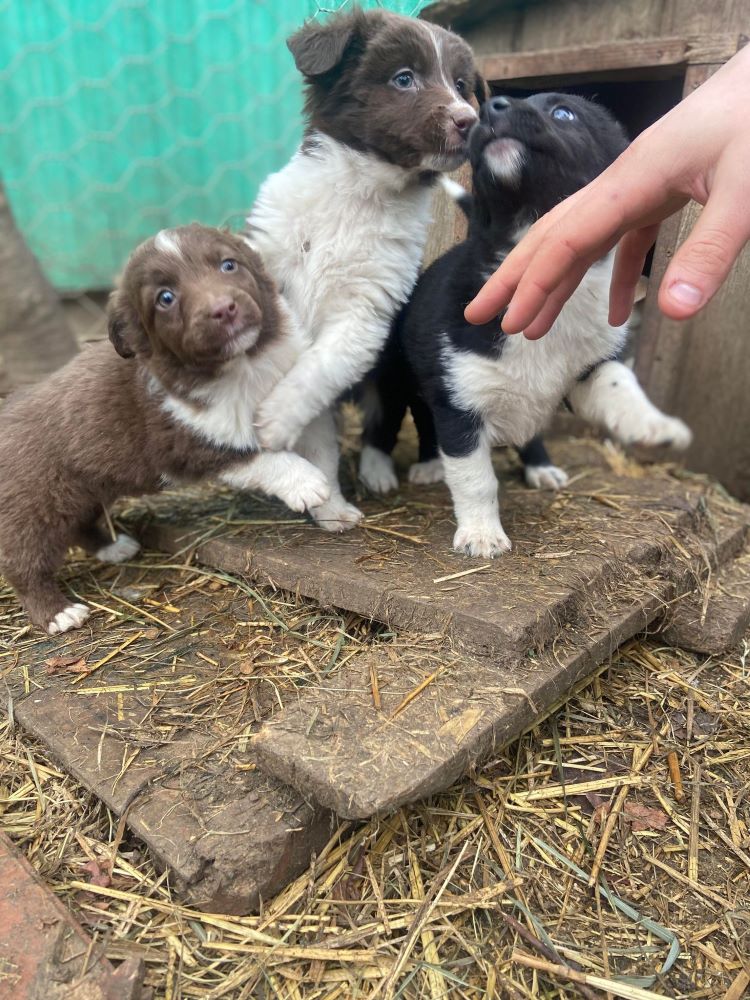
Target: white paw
(545, 477)
(123, 548)
(337, 516)
(277, 433)
(312, 490)
(483, 540)
(659, 430)
(376, 470)
(71, 617)
(426, 473)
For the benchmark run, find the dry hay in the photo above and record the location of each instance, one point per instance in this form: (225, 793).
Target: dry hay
(481, 891)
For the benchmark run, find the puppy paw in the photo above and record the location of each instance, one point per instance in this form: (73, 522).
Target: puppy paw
(310, 491)
(426, 473)
(337, 516)
(277, 425)
(123, 548)
(484, 540)
(659, 431)
(545, 477)
(376, 470)
(71, 617)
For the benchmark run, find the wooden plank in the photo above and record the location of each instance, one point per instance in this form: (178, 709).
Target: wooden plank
(359, 760)
(506, 638)
(512, 603)
(438, 715)
(700, 368)
(714, 618)
(45, 954)
(587, 59)
(586, 22)
(230, 838)
(140, 734)
(697, 17)
(492, 26)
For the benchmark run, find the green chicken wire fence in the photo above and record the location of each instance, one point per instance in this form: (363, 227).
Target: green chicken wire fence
(119, 118)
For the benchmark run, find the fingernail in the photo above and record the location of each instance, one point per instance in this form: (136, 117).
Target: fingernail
(685, 294)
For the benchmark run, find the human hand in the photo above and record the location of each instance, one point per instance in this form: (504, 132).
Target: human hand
(699, 150)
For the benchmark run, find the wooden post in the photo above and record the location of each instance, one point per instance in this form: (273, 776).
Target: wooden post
(700, 369)
(34, 337)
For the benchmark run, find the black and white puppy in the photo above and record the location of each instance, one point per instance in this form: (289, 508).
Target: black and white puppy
(342, 227)
(482, 388)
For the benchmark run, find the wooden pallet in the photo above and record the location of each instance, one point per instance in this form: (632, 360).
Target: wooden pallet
(591, 568)
(477, 652)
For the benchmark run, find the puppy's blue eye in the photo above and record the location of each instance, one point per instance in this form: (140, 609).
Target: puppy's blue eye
(563, 114)
(461, 86)
(166, 298)
(404, 79)
(229, 264)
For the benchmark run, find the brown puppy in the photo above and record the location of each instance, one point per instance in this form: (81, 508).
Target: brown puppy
(202, 337)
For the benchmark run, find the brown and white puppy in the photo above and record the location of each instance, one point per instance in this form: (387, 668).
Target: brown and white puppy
(342, 227)
(202, 336)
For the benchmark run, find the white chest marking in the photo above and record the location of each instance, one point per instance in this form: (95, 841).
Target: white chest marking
(338, 227)
(517, 393)
(224, 411)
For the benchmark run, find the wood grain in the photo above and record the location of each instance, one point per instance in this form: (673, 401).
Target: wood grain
(700, 369)
(584, 59)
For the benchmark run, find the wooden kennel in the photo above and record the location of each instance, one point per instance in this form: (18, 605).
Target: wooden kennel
(639, 57)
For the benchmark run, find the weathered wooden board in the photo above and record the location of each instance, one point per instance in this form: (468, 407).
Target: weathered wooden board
(359, 759)
(530, 25)
(44, 953)
(591, 567)
(229, 838)
(360, 753)
(606, 56)
(138, 734)
(402, 570)
(716, 616)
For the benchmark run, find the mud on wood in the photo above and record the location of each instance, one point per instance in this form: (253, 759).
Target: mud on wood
(591, 567)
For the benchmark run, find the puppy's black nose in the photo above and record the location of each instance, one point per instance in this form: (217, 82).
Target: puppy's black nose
(495, 110)
(499, 104)
(463, 121)
(224, 309)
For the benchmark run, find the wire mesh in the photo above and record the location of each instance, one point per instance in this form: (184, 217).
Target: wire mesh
(122, 117)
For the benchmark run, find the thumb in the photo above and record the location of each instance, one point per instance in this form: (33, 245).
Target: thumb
(701, 265)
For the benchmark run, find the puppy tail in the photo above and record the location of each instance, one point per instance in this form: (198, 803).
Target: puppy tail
(463, 198)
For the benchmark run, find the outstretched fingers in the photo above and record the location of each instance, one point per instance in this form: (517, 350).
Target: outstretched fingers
(545, 318)
(546, 266)
(561, 246)
(629, 260)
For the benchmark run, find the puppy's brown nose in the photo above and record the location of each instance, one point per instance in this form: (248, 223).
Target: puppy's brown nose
(224, 310)
(463, 120)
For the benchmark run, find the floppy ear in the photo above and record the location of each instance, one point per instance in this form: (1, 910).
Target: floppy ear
(125, 331)
(481, 90)
(317, 48)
